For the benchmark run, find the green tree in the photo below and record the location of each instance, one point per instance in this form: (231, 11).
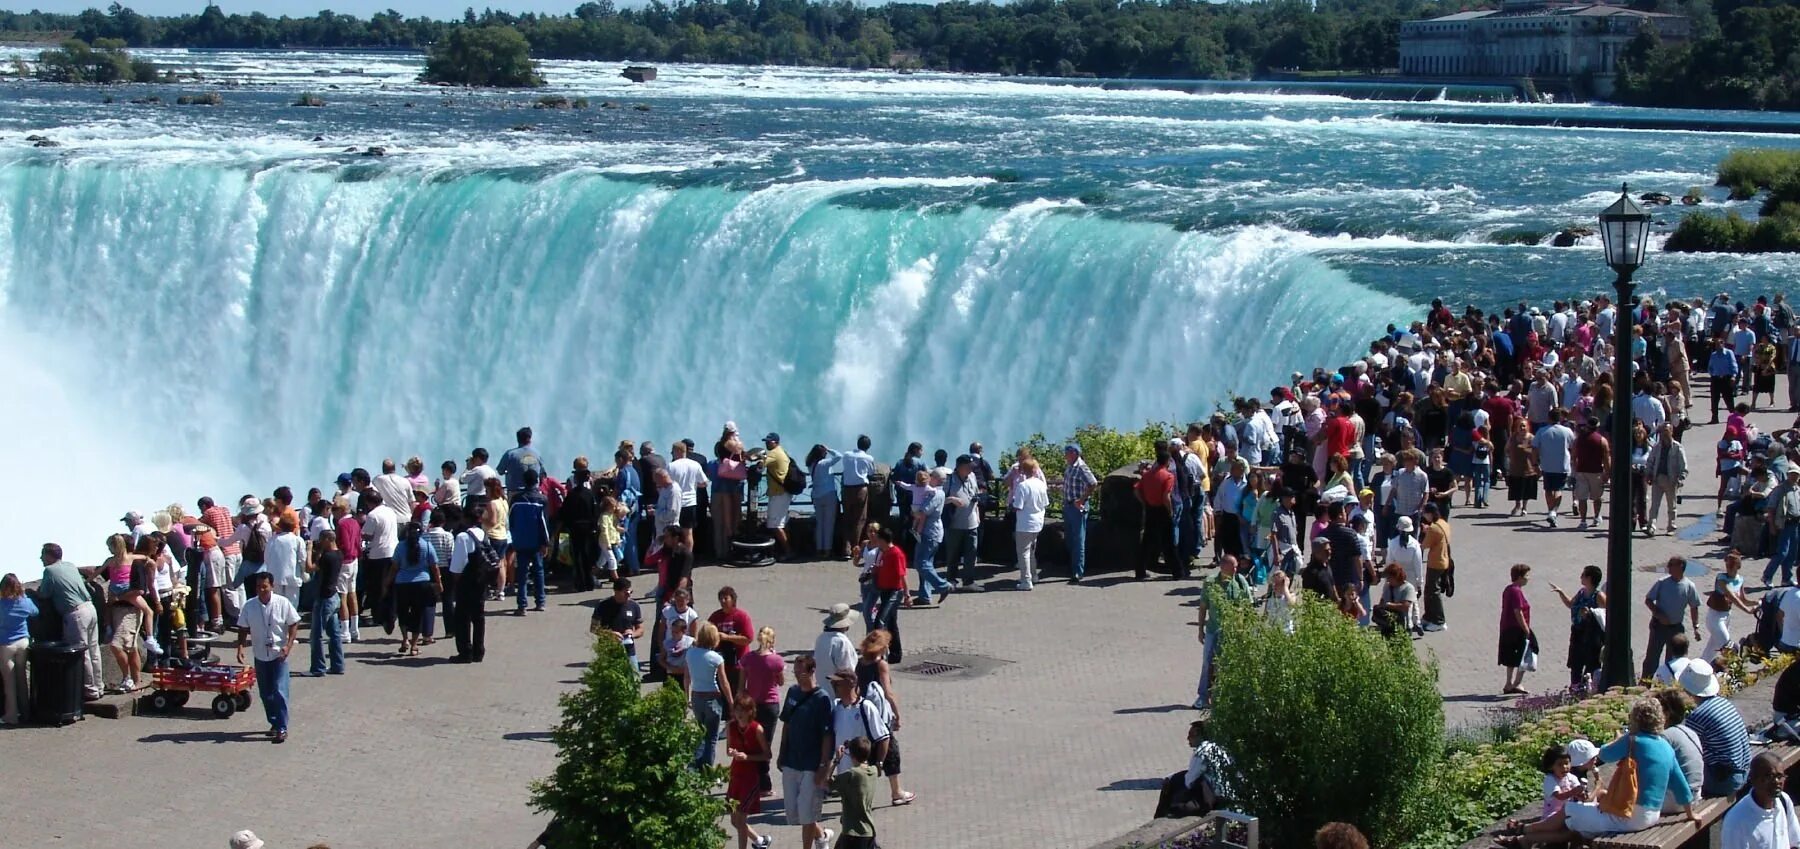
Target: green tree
(1329, 723)
(623, 778)
(105, 61)
(497, 56)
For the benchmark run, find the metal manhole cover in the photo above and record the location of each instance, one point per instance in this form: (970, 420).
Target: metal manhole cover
(931, 668)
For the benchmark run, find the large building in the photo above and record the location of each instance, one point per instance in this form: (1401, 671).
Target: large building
(1531, 38)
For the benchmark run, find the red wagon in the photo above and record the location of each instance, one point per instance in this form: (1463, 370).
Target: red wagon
(232, 683)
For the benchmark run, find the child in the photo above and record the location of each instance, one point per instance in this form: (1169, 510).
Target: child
(674, 656)
(745, 748)
(1560, 783)
(856, 788)
(611, 512)
(120, 587)
(871, 557)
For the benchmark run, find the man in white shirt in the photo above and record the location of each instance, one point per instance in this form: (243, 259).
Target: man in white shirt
(1648, 409)
(1764, 817)
(285, 560)
(469, 615)
(833, 651)
(852, 716)
(474, 480)
(396, 491)
(270, 623)
(381, 535)
(688, 476)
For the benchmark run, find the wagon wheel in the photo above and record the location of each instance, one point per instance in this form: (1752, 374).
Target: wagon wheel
(223, 706)
(242, 699)
(179, 697)
(163, 701)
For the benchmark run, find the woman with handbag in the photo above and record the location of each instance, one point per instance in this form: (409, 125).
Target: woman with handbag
(1727, 593)
(1587, 627)
(1647, 772)
(1518, 646)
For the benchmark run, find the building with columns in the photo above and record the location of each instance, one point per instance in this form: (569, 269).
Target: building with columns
(1531, 38)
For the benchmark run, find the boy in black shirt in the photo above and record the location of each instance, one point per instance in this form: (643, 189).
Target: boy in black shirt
(327, 564)
(620, 617)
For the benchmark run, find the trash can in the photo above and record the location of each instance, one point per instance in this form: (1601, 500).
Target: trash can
(56, 683)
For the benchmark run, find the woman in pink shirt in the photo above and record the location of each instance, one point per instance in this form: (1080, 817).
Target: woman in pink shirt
(1516, 639)
(764, 676)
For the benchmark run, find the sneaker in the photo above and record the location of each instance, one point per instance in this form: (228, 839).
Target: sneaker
(152, 646)
(762, 841)
(1551, 518)
(1432, 626)
(1200, 703)
(824, 842)
(127, 686)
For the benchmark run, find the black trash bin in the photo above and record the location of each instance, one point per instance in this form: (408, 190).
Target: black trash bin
(56, 683)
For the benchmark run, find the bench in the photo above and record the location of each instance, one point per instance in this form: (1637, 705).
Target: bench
(1675, 831)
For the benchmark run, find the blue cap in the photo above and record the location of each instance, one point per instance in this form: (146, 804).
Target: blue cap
(772, 437)
(1072, 448)
(344, 478)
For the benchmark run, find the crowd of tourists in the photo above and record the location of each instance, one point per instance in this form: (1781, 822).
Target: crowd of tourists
(1340, 483)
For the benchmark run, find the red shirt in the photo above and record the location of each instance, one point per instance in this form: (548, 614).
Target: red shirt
(1339, 435)
(220, 521)
(1500, 410)
(349, 538)
(1156, 486)
(737, 623)
(1590, 453)
(890, 573)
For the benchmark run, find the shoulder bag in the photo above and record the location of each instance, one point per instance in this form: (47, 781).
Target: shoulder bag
(1622, 791)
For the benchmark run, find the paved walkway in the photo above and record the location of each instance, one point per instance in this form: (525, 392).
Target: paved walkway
(1062, 745)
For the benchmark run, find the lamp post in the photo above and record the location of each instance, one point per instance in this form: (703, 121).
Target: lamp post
(1624, 229)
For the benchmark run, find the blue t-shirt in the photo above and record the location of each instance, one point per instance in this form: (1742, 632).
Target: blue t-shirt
(1658, 772)
(15, 619)
(703, 669)
(406, 572)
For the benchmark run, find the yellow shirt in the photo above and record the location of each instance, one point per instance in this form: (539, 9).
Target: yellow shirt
(498, 529)
(775, 469)
(1458, 385)
(1436, 541)
(1198, 446)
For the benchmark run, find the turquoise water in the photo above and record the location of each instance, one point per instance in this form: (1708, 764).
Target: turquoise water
(198, 299)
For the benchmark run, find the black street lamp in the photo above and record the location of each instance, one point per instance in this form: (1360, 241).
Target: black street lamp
(1624, 228)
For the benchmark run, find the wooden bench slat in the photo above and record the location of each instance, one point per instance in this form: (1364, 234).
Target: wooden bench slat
(1673, 831)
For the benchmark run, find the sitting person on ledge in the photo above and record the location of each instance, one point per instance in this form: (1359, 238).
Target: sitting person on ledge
(1200, 788)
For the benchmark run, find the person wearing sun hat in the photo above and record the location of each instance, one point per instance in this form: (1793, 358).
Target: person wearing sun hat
(246, 839)
(1724, 739)
(833, 651)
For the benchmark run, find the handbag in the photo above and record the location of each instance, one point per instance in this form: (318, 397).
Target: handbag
(1716, 600)
(1622, 791)
(1529, 662)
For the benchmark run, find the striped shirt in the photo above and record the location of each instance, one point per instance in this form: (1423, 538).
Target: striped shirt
(220, 521)
(442, 542)
(1078, 480)
(1723, 737)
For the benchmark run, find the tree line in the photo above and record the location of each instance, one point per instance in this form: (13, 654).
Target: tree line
(1744, 54)
(1109, 38)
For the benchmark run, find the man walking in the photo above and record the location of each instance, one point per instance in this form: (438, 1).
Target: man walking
(1553, 449)
(805, 758)
(1593, 465)
(1722, 370)
(1668, 600)
(270, 623)
(1224, 589)
(64, 589)
(1668, 468)
(470, 558)
(1078, 483)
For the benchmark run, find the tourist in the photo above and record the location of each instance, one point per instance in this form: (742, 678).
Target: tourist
(1724, 740)
(1280, 600)
(833, 651)
(775, 466)
(474, 564)
(1284, 533)
(678, 609)
(1403, 550)
(1315, 576)
(1593, 466)
(1675, 706)
(381, 536)
(1155, 490)
(1481, 468)
(962, 524)
(1676, 660)
(271, 623)
(687, 477)
(620, 619)
(855, 785)
(528, 539)
(1561, 784)
(1435, 539)
(728, 489)
(1078, 483)
(1521, 467)
(1784, 518)
(1722, 372)
(765, 673)
(415, 585)
(447, 489)
(735, 633)
(1350, 562)
(856, 718)
(1187, 501)
(858, 465)
(875, 685)
(1671, 600)
(1194, 791)
(1228, 520)
(16, 612)
(747, 749)
(326, 633)
(1727, 594)
(1408, 486)
(1551, 449)
(708, 690)
(628, 485)
(350, 543)
(1587, 634)
(128, 614)
(673, 655)
(819, 463)
(64, 588)
(1339, 835)
(928, 529)
(1763, 817)
(1398, 605)
(580, 518)
(516, 462)
(395, 489)
(1220, 592)
(1667, 469)
(1518, 645)
(805, 766)
(1030, 501)
(1658, 776)
(285, 558)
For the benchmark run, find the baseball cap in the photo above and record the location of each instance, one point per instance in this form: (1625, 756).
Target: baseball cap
(731, 427)
(246, 839)
(344, 479)
(132, 518)
(772, 437)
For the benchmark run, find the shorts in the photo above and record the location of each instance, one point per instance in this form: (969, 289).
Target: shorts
(346, 583)
(804, 798)
(218, 573)
(118, 589)
(777, 515)
(1589, 486)
(125, 620)
(890, 765)
(1554, 482)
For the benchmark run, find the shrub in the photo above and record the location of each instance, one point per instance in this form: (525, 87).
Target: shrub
(1330, 723)
(308, 99)
(1105, 450)
(622, 778)
(1760, 168)
(105, 61)
(497, 56)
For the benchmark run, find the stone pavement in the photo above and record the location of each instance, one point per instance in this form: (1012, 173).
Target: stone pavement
(1061, 744)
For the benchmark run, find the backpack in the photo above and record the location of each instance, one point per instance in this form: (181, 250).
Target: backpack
(1768, 620)
(794, 482)
(483, 557)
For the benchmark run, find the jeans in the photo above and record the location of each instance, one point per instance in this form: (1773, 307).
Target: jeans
(924, 556)
(1786, 547)
(1208, 655)
(887, 618)
(1659, 643)
(959, 554)
(81, 627)
(528, 566)
(1722, 779)
(1025, 543)
(869, 594)
(1187, 529)
(707, 712)
(631, 564)
(1075, 533)
(1482, 474)
(272, 684)
(327, 633)
(825, 512)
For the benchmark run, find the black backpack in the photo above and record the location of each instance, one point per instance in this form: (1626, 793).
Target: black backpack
(795, 480)
(1768, 620)
(483, 559)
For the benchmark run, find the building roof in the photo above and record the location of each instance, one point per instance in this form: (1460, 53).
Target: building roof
(1578, 10)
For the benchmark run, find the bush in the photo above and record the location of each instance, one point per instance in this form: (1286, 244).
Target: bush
(622, 778)
(495, 56)
(1757, 167)
(1104, 449)
(105, 61)
(1330, 723)
(1777, 232)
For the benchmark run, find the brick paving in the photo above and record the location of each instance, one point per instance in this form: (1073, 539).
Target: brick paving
(1062, 745)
